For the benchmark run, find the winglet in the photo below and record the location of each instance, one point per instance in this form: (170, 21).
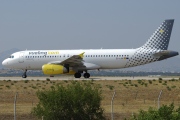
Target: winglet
(82, 55)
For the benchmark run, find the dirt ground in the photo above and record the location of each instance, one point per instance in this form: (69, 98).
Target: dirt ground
(130, 96)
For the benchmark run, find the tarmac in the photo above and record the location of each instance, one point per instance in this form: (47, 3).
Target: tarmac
(91, 78)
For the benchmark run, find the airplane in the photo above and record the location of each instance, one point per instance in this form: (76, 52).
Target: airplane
(77, 62)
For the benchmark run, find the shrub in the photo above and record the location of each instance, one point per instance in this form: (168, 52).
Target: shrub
(76, 101)
(47, 79)
(150, 82)
(26, 81)
(163, 113)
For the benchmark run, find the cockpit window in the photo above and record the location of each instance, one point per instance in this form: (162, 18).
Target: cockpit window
(12, 56)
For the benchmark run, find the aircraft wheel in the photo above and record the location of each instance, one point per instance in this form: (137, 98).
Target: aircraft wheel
(24, 76)
(86, 75)
(77, 75)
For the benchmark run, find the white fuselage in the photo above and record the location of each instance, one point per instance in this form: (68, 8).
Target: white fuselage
(35, 59)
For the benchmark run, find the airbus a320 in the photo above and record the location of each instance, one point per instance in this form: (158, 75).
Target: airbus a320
(77, 62)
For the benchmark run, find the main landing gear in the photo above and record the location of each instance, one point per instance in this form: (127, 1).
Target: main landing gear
(78, 75)
(24, 74)
(86, 75)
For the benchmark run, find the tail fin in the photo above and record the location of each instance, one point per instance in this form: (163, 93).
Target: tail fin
(160, 38)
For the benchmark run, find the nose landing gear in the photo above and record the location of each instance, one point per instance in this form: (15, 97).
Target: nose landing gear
(24, 74)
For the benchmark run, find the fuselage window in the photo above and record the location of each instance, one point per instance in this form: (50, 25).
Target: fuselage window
(11, 56)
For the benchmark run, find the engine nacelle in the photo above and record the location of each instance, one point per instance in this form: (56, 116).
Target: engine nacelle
(52, 69)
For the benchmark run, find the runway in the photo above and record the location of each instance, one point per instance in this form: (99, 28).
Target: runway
(91, 78)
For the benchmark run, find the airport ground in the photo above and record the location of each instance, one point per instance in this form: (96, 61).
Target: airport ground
(132, 93)
(69, 77)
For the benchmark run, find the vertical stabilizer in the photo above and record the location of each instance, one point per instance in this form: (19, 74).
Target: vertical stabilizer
(155, 48)
(160, 38)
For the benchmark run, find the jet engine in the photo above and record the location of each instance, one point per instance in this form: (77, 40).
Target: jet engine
(52, 69)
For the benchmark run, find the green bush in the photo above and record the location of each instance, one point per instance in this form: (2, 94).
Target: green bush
(135, 85)
(163, 113)
(76, 101)
(150, 82)
(26, 81)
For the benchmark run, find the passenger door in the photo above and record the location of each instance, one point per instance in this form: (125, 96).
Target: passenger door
(21, 57)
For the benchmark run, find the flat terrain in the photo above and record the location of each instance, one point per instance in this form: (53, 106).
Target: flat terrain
(132, 94)
(91, 78)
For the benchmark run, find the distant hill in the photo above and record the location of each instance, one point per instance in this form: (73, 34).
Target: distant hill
(6, 54)
(168, 65)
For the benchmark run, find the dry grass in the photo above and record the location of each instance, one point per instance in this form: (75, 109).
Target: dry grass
(130, 97)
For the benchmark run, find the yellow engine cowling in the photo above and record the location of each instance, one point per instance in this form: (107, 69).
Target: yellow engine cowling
(52, 69)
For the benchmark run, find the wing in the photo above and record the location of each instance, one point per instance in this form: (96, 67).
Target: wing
(73, 61)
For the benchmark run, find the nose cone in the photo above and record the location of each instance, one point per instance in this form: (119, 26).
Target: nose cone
(5, 63)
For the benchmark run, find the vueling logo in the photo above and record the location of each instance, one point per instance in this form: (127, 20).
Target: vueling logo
(161, 31)
(53, 52)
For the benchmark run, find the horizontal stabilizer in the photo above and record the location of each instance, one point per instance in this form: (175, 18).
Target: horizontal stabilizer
(165, 54)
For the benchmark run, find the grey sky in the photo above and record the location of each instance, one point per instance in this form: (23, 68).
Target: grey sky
(80, 24)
